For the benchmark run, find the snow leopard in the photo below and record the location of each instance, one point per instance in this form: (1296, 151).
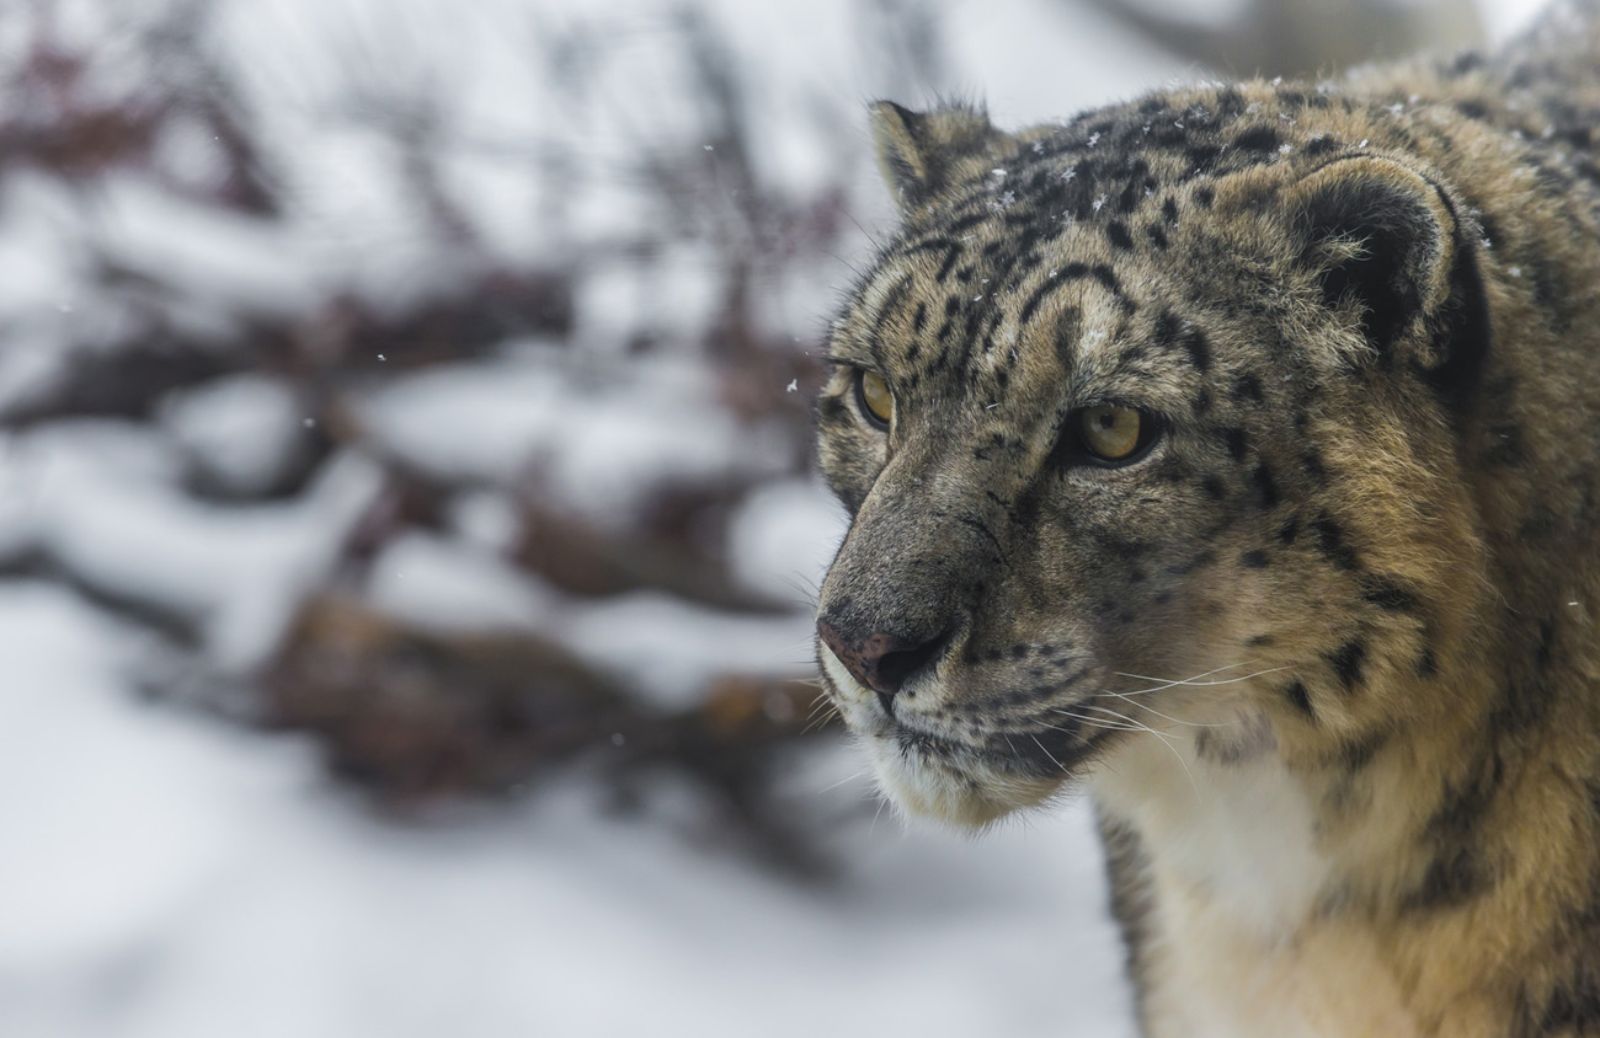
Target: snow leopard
(1233, 454)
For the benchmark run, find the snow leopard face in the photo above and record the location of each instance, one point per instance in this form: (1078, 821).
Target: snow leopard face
(1144, 421)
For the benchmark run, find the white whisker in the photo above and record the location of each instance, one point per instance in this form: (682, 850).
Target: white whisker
(1059, 766)
(1169, 682)
(1165, 741)
(883, 802)
(1133, 726)
(1193, 682)
(830, 787)
(1169, 717)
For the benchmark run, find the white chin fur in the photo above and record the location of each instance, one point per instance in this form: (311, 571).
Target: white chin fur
(921, 788)
(930, 790)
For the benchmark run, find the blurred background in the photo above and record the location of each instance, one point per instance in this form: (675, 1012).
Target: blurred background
(407, 525)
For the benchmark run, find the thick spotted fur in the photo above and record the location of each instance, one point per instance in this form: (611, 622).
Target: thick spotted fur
(1328, 657)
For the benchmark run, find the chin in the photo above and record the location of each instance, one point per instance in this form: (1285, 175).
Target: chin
(970, 797)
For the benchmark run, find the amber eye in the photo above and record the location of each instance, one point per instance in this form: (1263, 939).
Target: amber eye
(1110, 433)
(874, 398)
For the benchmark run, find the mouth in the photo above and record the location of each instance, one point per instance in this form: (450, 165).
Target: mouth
(1053, 752)
(969, 780)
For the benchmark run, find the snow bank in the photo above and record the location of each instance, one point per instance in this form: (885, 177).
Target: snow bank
(173, 877)
(601, 435)
(82, 494)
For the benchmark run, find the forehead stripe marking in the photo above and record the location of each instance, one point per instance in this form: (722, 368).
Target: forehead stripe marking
(950, 248)
(1066, 275)
(886, 301)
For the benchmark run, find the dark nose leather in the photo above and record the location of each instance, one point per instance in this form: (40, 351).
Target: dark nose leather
(882, 662)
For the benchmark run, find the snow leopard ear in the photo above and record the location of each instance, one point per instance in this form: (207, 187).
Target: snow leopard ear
(1388, 239)
(922, 153)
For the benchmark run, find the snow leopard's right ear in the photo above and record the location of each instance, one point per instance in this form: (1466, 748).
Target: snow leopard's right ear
(922, 153)
(1388, 243)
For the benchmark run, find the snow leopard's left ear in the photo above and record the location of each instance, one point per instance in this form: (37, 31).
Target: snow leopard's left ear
(1391, 241)
(923, 153)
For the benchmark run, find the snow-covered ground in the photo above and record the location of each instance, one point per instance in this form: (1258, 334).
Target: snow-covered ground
(166, 876)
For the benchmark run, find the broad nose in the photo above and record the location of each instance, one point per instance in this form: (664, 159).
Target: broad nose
(881, 661)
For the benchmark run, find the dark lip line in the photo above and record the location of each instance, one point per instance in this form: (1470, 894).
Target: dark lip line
(945, 747)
